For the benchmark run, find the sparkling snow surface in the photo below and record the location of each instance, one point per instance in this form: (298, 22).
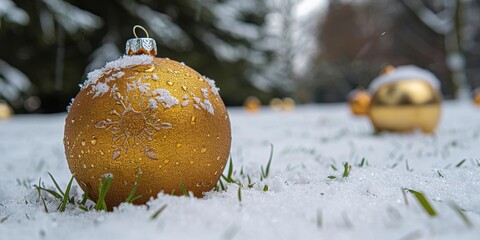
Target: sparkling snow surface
(301, 203)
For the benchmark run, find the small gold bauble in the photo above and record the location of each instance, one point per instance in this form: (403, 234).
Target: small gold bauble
(359, 101)
(276, 104)
(476, 96)
(406, 104)
(252, 104)
(5, 111)
(150, 115)
(288, 104)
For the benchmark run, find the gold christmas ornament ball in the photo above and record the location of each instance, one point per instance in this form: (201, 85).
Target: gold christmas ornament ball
(276, 104)
(359, 102)
(5, 111)
(252, 104)
(149, 117)
(476, 96)
(404, 100)
(288, 104)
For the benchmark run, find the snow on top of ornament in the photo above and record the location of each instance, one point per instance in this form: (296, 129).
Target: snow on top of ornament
(213, 87)
(405, 73)
(125, 61)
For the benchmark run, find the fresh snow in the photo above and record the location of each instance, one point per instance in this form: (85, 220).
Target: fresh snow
(403, 73)
(123, 62)
(301, 202)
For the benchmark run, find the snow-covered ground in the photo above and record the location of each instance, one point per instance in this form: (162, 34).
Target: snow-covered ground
(301, 201)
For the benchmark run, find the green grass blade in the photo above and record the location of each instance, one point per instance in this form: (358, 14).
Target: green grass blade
(240, 193)
(51, 192)
(267, 169)
(85, 197)
(424, 202)
(103, 189)
(40, 195)
(346, 169)
(63, 204)
(132, 197)
(158, 212)
(230, 170)
(461, 214)
(461, 163)
(56, 185)
(265, 188)
(184, 190)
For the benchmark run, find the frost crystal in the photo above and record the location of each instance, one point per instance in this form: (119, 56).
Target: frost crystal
(70, 104)
(165, 98)
(100, 89)
(185, 103)
(213, 87)
(152, 104)
(155, 77)
(207, 106)
(205, 92)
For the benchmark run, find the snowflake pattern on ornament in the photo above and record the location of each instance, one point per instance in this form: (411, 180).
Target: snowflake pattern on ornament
(131, 124)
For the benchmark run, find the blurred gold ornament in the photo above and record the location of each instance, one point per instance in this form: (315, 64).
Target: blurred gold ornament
(276, 104)
(476, 96)
(404, 100)
(359, 101)
(5, 111)
(288, 104)
(252, 104)
(150, 115)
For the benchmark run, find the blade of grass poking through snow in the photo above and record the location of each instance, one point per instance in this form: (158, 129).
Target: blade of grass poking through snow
(267, 169)
(362, 162)
(158, 212)
(56, 185)
(132, 197)
(184, 190)
(40, 195)
(319, 219)
(423, 202)
(461, 163)
(460, 213)
(346, 169)
(239, 193)
(229, 178)
(103, 189)
(66, 195)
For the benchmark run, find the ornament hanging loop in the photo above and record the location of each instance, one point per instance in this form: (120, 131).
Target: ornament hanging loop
(135, 32)
(141, 46)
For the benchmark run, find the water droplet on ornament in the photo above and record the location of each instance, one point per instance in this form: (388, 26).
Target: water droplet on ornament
(169, 83)
(199, 184)
(91, 165)
(169, 70)
(82, 152)
(102, 153)
(83, 143)
(218, 158)
(166, 161)
(150, 69)
(208, 134)
(93, 141)
(222, 167)
(208, 165)
(192, 120)
(187, 74)
(184, 88)
(73, 120)
(84, 166)
(179, 145)
(200, 79)
(125, 182)
(191, 162)
(194, 149)
(204, 150)
(215, 173)
(79, 156)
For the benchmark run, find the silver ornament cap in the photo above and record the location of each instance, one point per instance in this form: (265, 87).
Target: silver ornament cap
(140, 46)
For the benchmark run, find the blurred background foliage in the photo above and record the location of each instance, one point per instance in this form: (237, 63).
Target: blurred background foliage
(311, 50)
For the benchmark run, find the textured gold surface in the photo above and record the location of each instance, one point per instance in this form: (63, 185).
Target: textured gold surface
(117, 133)
(359, 101)
(404, 106)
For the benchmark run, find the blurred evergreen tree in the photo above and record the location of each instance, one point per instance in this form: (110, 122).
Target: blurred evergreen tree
(54, 43)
